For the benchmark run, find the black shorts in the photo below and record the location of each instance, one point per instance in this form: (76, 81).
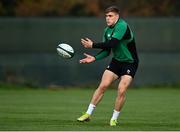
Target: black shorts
(122, 68)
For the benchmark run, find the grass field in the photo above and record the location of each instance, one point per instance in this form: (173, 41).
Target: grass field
(43, 109)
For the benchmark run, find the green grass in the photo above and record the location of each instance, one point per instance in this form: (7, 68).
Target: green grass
(43, 109)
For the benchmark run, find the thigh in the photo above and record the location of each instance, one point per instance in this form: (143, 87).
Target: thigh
(124, 83)
(108, 77)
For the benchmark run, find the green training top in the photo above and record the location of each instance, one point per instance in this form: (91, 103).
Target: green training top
(125, 50)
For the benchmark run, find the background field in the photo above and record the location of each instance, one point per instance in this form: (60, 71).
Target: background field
(57, 109)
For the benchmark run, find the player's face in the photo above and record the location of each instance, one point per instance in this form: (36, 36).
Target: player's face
(111, 18)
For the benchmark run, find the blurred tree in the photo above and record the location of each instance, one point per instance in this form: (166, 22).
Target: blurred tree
(93, 8)
(7, 7)
(176, 9)
(145, 7)
(1, 9)
(88, 7)
(45, 7)
(150, 8)
(35, 7)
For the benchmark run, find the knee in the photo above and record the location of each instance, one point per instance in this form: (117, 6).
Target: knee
(121, 91)
(103, 87)
(124, 84)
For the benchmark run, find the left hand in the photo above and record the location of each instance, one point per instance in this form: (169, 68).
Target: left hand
(87, 43)
(87, 59)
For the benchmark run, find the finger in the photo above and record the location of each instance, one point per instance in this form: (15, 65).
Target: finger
(87, 55)
(82, 61)
(87, 39)
(84, 43)
(83, 40)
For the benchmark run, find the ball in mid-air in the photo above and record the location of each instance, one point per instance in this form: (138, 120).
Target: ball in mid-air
(65, 50)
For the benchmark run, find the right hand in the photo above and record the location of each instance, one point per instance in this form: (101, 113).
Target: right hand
(88, 59)
(87, 43)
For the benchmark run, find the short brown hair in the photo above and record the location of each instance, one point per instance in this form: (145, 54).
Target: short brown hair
(112, 9)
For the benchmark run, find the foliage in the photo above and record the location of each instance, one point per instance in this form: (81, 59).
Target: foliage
(88, 7)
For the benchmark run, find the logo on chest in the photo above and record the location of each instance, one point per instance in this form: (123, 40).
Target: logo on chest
(109, 36)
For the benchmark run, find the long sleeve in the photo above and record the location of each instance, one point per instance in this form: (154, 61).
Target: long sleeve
(102, 54)
(104, 45)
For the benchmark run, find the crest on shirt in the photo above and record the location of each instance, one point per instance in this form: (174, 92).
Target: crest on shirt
(128, 71)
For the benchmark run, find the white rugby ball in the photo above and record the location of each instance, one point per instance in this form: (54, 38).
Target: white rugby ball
(65, 50)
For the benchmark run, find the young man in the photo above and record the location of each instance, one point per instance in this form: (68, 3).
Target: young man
(119, 39)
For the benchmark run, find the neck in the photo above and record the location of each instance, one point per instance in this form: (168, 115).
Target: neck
(114, 23)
